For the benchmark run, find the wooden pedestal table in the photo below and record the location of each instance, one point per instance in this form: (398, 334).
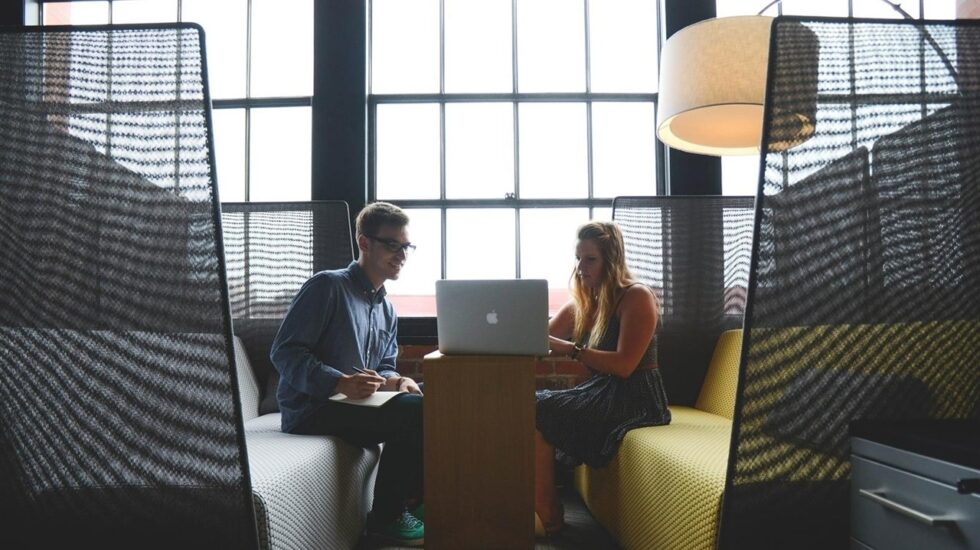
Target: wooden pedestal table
(479, 451)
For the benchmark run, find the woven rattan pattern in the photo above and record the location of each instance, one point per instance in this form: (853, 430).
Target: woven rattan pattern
(117, 398)
(865, 283)
(694, 252)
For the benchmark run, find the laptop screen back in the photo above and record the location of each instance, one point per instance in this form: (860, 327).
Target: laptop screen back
(492, 317)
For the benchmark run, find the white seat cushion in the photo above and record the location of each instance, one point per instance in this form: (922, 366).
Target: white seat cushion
(248, 387)
(266, 423)
(310, 492)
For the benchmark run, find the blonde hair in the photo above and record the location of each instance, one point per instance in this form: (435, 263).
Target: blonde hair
(599, 304)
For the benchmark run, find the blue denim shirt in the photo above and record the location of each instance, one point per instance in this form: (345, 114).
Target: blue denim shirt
(337, 321)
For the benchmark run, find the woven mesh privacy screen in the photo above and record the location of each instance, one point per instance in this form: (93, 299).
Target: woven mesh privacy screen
(694, 252)
(864, 294)
(118, 416)
(271, 249)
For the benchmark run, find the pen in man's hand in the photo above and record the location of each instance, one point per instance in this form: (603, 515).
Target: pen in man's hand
(362, 371)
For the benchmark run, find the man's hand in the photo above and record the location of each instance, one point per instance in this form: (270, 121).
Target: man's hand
(359, 386)
(404, 384)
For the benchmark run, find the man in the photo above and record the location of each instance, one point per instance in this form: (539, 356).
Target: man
(339, 336)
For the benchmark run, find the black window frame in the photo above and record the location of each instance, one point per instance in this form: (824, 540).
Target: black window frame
(246, 103)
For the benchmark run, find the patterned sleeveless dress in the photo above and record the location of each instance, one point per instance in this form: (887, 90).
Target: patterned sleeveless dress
(588, 422)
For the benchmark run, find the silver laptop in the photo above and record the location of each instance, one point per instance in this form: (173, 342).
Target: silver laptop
(492, 317)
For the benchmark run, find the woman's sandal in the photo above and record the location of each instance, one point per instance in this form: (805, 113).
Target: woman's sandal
(553, 526)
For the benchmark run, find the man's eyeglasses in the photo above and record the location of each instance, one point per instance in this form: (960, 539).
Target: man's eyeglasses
(394, 246)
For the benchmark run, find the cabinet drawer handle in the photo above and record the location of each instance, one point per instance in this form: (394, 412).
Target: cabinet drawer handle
(902, 509)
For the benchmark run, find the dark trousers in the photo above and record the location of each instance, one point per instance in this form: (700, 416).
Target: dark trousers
(397, 424)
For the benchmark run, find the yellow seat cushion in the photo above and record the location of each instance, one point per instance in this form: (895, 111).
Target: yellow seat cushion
(663, 489)
(721, 381)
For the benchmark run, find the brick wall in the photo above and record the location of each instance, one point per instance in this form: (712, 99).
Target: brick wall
(968, 9)
(551, 374)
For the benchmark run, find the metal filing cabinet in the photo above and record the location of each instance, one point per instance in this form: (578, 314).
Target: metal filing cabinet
(915, 485)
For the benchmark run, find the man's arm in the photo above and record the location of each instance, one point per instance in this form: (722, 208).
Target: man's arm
(386, 368)
(389, 354)
(292, 350)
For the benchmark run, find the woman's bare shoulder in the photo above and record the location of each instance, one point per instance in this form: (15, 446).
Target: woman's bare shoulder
(639, 295)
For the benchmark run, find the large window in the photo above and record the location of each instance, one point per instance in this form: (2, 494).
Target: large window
(260, 65)
(740, 175)
(502, 125)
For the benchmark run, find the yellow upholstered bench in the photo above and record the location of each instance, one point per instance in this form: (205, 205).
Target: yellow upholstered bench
(663, 489)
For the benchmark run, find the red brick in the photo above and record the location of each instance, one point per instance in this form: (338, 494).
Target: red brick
(414, 352)
(554, 382)
(408, 368)
(544, 367)
(573, 368)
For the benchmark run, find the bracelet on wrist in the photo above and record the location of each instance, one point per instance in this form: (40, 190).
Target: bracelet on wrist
(576, 350)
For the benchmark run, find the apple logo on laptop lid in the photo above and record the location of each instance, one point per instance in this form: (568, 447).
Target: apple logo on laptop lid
(492, 317)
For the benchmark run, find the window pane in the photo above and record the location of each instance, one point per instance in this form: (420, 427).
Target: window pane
(225, 23)
(280, 154)
(478, 46)
(881, 10)
(553, 159)
(740, 175)
(829, 8)
(551, 45)
(144, 11)
(407, 152)
(424, 265)
(404, 46)
(623, 45)
(282, 48)
(229, 153)
(726, 8)
(602, 214)
(480, 244)
(551, 257)
(479, 150)
(77, 13)
(940, 9)
(623, 149)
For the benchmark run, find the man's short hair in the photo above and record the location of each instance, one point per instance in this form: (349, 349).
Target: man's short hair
(377, 214)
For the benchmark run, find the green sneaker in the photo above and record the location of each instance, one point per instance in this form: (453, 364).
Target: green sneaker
(419, 512)
(405, 530)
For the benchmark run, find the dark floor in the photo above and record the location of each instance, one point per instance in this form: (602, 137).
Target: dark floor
(580, 532)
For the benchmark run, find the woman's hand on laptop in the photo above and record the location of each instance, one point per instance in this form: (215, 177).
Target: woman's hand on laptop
(360, 385)
(559, 346)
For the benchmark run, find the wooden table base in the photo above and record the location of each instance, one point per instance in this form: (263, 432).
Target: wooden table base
(479, 451)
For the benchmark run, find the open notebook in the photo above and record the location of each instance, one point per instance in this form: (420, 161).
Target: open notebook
(376, 399)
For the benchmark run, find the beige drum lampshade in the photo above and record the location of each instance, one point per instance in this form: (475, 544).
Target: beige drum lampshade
(713, 85)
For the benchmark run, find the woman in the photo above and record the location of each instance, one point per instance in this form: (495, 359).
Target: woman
(609, 326)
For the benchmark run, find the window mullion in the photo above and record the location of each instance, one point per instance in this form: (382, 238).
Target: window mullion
(588, 49)
(248, 96)
(517, 145)
(442, 133)
(515, 113)
(588, 105)
(442, 178)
